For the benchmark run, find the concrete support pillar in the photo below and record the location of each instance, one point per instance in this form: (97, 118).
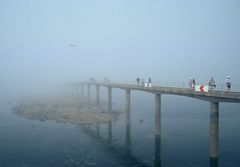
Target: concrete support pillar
(89, 94)
(128, 105)
(77, 87)
(214, 122)
(158, 114)
(82, 89)
(157, 146)
(73, 89)
(97, 95)
(109, 99)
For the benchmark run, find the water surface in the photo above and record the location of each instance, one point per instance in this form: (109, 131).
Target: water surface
(184, 138)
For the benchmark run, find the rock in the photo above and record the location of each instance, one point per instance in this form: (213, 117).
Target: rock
(63, 109)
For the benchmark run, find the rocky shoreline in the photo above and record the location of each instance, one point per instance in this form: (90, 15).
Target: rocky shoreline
(66, 109)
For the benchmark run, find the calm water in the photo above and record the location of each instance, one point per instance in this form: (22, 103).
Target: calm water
(184, 140)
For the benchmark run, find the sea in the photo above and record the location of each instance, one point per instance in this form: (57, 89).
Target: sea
(184, 140)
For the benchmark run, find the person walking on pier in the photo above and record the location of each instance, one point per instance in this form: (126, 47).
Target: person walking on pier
(143, 81)
(138, 80)
(149, 82)
(228, 83)
(192, 83)
(211, 83)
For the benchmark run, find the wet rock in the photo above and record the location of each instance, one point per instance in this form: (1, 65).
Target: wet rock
(62, 109)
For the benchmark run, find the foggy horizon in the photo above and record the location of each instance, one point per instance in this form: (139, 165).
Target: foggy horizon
(49, 43)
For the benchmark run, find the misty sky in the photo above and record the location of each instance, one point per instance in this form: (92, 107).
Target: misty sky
(170, 40)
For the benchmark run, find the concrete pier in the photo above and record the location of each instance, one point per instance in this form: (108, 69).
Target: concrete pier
(214, 97)
(158, 114)
(89, 94)
(214, 126)
(109, 98)
(97, 95)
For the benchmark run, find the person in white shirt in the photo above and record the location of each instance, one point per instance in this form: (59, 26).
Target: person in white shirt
(228, 83)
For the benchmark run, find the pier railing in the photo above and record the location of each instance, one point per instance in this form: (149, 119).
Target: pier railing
(219, 87)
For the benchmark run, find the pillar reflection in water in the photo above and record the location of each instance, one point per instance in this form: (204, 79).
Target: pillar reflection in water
(213, 162)
(157, 151)
(110, 132)
(128, 137)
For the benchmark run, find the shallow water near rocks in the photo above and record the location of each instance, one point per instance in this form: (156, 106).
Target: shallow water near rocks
(184, 137)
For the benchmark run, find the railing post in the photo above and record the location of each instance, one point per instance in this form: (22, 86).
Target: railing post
(97, 95)
(158, 114)
(214, 130)
(109, 99)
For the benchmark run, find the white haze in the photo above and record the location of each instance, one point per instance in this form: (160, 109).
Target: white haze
(46, 44)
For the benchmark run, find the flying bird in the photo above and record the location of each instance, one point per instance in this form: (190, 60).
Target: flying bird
(72, 45)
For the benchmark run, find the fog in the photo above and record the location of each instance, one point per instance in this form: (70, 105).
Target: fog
(46, 44)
